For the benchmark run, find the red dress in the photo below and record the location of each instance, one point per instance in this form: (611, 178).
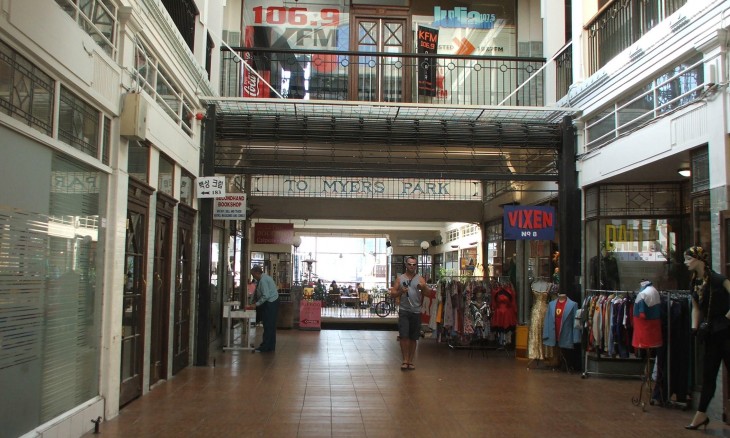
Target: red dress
(504, 308)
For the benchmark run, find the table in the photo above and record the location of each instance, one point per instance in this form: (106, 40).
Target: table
(232, 311)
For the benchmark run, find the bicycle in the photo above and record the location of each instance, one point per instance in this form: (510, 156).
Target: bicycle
(385, 307)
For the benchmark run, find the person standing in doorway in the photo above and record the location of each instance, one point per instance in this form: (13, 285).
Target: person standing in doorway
(711, 322)
(410, 287)
(268, 302)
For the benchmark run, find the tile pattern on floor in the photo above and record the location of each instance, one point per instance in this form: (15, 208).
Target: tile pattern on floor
(348, 383)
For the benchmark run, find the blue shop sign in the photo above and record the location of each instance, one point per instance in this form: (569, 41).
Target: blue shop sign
(529, 223)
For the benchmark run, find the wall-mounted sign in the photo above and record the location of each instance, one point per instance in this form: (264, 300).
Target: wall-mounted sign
(210, 186)
(271, 233)
(366, 188)
(529, 223)
(231, 206)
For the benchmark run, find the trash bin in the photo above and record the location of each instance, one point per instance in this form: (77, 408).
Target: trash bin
(285, 318)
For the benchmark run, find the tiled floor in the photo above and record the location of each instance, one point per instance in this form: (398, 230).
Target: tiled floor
(349, 384)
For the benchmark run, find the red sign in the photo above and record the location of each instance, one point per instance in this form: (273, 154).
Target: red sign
(267, 233)
(310, 315)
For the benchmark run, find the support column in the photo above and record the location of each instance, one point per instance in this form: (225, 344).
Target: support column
(569, 214)
(202, 323)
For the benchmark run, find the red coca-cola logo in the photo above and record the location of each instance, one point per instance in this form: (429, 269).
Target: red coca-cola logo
(251, 85)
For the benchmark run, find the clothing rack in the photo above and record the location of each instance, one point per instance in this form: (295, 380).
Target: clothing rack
(597, 355)
(664, 376)
(484, 340)
(669, 295)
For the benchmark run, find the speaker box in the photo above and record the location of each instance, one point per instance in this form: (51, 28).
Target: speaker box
(133, 122)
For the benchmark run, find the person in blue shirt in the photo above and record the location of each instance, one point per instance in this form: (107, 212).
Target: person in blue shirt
(267, 300)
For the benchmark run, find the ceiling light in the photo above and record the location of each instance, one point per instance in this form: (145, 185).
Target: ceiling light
(684, 171)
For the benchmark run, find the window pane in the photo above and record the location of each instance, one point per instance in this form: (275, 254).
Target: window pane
(26, 93)
(186, 185)
(603, 130)
(139, 158)
(165, 176)
(78, 124)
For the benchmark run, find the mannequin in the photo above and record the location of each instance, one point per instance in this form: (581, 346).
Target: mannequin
(562, 333)
(540, 295)
(604, 271)
(560, 329)
(710, 304)
(647, 317)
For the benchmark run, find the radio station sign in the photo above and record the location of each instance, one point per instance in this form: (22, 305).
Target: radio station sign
(529, 223)
(230, 207)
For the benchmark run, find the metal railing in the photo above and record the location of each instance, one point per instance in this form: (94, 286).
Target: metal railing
(563, 71)
(382, 77)
(620, 23)
(680, 87)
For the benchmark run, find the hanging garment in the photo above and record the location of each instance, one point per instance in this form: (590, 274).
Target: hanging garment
(569, 334)
(540, 297)
(535, 348)
(504, 308)
(647, 317)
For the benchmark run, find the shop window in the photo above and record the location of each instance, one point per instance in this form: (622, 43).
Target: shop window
(26, 93)
(700, 170)
(78, 123)
(139, 158)
(186, 185)
(106, 140)
(165, 177)
(623, 252)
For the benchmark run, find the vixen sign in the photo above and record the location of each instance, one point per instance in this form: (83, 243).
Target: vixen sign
(529, 223)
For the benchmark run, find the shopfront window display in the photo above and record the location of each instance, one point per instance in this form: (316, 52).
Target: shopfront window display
(621, 253)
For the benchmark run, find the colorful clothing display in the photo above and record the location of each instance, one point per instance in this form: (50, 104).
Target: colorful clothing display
(647, 317)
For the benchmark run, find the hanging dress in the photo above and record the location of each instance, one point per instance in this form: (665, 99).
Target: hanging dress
(535, 348)
(504, 314)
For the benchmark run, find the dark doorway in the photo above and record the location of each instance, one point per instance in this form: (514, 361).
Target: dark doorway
(134, 288)
(161, 288)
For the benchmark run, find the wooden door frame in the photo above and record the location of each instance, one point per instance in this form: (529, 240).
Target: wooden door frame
(138, 200)
(380, 12)
(181, 357)
(159, 342)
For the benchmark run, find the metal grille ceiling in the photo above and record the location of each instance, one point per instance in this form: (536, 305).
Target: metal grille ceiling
(274, 136)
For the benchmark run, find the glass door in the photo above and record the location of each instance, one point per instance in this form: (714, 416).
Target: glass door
(380, 78)
(161, 289)
(135, 285)
(183, 287)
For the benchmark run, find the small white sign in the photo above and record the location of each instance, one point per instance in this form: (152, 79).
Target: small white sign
(210, 186)
(231, 206)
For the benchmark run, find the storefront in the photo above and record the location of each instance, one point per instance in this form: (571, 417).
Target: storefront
(52, 218)
(633, 233)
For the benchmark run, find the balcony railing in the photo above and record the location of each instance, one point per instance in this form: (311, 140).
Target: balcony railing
(382, 77)
(563, 71)
(620, 23)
